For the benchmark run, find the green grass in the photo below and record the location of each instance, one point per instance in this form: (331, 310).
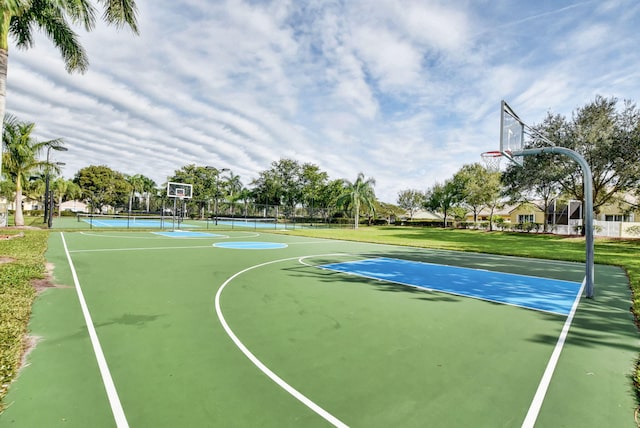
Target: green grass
(16, 297)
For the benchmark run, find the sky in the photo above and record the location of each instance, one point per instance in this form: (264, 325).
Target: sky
(404, 91)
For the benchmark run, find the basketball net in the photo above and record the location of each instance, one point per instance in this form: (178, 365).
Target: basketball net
(492, 160)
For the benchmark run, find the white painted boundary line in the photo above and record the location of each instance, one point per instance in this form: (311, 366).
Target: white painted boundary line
(108, 250)
(274, 377)
(543, 386)
(109, 386)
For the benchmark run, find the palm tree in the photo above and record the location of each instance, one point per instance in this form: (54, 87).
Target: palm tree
(65, 189)
(20, 17)
(148, 187)
(357, 194)
(21, 157)
(137, 183)
(233, 185)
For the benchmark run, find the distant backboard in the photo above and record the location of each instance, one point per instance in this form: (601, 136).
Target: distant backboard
(179, 190)
(511, 134)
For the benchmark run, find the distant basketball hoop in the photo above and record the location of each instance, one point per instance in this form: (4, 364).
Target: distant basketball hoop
(492, 160)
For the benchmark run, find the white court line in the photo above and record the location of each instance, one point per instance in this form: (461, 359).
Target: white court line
(100, 250)
(538, 399)
(109, 386)
(274, 377)
(156, 237)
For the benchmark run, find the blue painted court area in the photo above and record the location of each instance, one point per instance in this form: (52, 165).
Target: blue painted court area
(124, 223)
(188, 234)
(542, 294)
(250, 245)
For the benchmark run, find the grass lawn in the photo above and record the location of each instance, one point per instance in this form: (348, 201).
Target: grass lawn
(22, 255)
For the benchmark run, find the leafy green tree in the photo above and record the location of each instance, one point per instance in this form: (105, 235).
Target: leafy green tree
(20, 158)
(328, 195)
(288, 174)
(411, 200)
(206, 182)
(443, 197)
(312, 180)
(536, 182)
(481, 187)
(357, 195)
(267, 190)
(102, 186)
(608, 139)
(280, 185)
(20, 17)
(610, 142)
(388, 211)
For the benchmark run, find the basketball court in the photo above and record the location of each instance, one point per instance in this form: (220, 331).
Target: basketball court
(243, 328)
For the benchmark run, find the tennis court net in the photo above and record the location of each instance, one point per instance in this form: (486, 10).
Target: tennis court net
(253, 223)
(126, 221)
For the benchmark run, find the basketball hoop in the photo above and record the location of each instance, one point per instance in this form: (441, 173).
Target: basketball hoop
(492, 160)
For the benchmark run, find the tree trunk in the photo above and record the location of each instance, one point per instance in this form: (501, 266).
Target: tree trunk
(491, 218)
(4, 58)
(19, 217)
(356, 215)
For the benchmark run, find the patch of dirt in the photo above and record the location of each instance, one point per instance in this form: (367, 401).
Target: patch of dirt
(29, 344)
(46, 282)
(5, 237)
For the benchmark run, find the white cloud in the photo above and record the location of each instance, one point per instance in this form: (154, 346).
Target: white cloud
(403, 91)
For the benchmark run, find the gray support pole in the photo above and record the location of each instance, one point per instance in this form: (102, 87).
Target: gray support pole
(588, 206)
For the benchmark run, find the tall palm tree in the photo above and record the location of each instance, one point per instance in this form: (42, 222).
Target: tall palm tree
(21, 157)
(148, 187)
(137, 184)
(233, 185)
(357, 194)
(19, 18)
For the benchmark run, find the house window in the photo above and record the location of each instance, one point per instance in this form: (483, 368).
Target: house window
(616, 217)
(526, 218)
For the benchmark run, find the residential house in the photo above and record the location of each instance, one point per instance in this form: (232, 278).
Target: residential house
(74, 206)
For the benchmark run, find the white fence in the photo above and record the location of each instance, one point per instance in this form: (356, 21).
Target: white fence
(616, 229)
(573, 228)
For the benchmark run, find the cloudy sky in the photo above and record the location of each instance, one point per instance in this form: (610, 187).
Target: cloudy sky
(405, 91)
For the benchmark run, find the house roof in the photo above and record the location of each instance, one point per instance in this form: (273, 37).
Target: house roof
(425, 215)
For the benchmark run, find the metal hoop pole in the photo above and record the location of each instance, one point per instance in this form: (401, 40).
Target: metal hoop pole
(588, 208)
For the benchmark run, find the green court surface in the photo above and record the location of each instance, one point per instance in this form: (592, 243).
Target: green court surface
(201, 335)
